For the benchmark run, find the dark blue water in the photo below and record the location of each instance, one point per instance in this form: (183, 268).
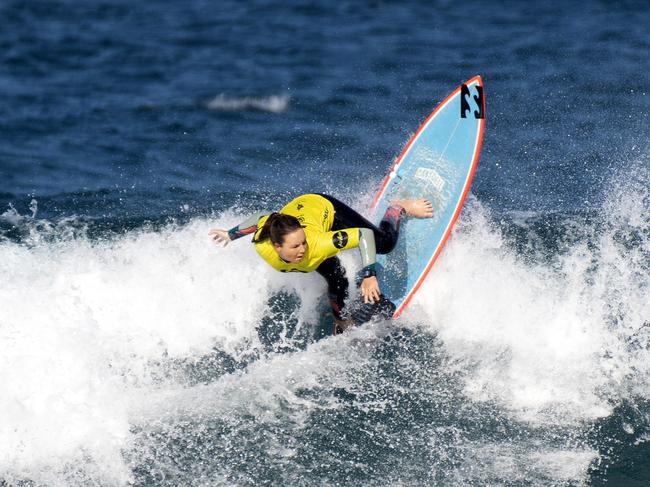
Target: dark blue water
(142, 355)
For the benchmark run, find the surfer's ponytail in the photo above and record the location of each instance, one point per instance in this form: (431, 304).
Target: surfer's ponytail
(276, 226)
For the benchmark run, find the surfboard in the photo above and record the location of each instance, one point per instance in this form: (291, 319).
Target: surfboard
(437, 163)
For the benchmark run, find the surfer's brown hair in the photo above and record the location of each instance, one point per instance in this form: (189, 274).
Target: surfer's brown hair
(276, 226)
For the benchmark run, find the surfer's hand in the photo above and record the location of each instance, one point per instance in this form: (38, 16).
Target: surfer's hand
(370, 290)
(220, 236)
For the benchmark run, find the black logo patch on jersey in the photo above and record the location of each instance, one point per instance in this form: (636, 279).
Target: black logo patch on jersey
(299, 206)
(340, 239)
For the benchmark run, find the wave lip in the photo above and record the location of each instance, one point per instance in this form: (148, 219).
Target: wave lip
(271, 104)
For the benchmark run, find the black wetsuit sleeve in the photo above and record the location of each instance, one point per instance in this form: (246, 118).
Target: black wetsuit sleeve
(246, 227)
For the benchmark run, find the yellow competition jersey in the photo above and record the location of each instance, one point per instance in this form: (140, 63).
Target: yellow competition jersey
(316, 215)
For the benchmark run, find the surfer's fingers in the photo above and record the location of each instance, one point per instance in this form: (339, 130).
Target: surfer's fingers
(220, 240)
(219, 235)
(372, 296)
(367, 295)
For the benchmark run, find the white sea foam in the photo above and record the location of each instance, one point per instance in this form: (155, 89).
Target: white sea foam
(84, 325)
(542, 337)
(273, 103)
(12, 216)
(81, 323)
(559, 343)
(525, 327)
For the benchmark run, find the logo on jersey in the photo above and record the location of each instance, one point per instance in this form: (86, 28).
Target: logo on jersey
(340, 239)
(299, 206)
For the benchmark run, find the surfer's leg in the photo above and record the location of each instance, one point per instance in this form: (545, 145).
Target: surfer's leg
(337, 284)
(389, 226)
(385, 236)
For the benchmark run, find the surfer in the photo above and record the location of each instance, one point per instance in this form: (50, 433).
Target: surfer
(308, 233)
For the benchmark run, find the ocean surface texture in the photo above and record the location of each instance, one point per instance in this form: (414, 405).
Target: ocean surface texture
(135, 352)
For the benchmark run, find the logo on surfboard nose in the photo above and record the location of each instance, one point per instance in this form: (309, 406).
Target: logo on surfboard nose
(340, 239)
(466, 97)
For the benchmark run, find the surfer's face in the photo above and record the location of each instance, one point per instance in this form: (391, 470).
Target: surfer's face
(293, 247)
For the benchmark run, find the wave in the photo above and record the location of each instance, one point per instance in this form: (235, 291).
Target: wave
(155, 357)
(88, 324)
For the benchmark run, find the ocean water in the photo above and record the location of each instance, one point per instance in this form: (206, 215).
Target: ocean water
(136, 352)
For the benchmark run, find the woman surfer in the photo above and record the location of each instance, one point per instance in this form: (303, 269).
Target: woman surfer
(311, 229)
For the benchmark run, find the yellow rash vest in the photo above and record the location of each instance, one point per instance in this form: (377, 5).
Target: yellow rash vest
(316, 215)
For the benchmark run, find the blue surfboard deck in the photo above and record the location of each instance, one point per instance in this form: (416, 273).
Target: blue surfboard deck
(438, 163)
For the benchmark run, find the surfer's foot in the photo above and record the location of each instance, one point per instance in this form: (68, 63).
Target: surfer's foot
(419, 208)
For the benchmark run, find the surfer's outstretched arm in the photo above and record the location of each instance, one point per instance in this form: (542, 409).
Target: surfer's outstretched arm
(246, 227)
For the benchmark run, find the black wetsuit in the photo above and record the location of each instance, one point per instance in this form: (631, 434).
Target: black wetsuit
(385, 239)
(332, 270)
